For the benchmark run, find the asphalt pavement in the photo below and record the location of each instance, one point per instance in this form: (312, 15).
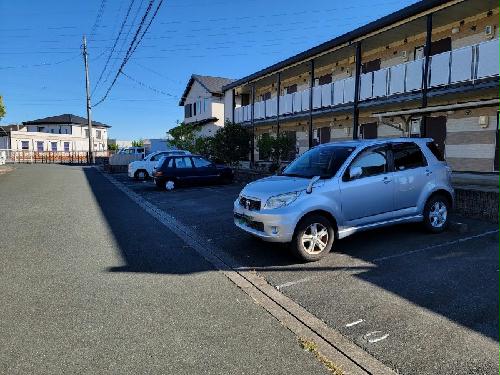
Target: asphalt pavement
(90, 283)
(420, 303)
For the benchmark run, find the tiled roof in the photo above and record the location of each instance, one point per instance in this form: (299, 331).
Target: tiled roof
(212, 84)
(65, 119)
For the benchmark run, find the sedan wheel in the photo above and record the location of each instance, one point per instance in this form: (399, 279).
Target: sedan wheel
(169, 185)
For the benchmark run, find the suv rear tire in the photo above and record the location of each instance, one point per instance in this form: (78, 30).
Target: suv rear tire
(313, 238)
(436, 213)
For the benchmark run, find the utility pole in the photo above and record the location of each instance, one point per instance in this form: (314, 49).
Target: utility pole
(89, 108)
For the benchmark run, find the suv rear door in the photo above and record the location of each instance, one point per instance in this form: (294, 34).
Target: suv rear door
(412, 174)
(370, 197)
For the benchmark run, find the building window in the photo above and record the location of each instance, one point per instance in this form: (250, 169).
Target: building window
(25, 145)
(40, 129)
(188, 111)
(86, 133)
(194, 109)
(52, 131)
(39, 146)
(205, 104)
(53, 146)
(66, 146)
(98, 134)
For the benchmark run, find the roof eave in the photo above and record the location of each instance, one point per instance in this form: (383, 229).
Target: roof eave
(348, 37)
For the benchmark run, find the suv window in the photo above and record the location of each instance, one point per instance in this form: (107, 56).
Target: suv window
(157, 157)
(183, 163)
(435, 150)
(407, 156)
(199, 162)
(372, 162)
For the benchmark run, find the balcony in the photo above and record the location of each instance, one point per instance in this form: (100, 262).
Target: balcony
(467, 64)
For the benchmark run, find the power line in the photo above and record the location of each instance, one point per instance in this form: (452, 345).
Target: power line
(145, 85)
(114, 46)
(99, 16)
(133, 46)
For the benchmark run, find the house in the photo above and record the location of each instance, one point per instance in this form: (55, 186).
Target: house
(428, 70)
(203, 103)
(57, 133)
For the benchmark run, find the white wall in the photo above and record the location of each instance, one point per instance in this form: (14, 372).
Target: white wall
(198, 92)
(228, 105)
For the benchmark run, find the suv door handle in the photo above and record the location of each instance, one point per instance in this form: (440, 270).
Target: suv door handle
(386, 180)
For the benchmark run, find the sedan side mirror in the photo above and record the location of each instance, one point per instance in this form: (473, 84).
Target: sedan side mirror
(355, 172)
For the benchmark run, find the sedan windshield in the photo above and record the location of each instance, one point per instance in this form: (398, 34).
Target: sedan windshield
(322, 161)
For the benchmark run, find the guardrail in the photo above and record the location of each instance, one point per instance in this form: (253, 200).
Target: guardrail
(469, 63)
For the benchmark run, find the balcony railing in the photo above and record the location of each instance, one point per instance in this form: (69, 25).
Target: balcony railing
(465, 64)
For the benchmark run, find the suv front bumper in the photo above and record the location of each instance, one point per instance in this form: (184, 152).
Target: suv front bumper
(270, 225)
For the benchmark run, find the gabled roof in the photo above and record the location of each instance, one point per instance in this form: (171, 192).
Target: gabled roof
(212, 84)
(65, 119)
(349, 37)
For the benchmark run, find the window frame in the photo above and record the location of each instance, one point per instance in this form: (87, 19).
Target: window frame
(180, 157)
(424, 158)
(389, 161)
(27, 143)
(202, 158)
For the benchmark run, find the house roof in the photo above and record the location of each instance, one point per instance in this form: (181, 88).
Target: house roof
(347, 38)
(65, 119)
(212, 84)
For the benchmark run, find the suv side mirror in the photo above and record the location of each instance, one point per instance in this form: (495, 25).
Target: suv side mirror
(355, 172)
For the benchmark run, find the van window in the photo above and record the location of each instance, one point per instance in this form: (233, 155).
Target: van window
(435, 150)
(372, 162)
(407, 156)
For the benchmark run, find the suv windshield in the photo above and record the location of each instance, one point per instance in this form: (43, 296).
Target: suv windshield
(322, 161)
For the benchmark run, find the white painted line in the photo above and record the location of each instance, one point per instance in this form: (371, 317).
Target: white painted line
(371, 341)
(376, 339)
(460, 240)
(290, 283)
(354, 323)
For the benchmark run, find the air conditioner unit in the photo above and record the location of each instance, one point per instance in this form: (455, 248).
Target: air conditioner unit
(316, 82)
(404, 55)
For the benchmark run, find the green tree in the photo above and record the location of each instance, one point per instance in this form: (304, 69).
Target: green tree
(204, 146)
(112, 147)
(231, 143)
(276, 148)
(138, 143)
(2, 108)
(184, 136)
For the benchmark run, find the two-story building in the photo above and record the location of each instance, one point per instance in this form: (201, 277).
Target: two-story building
(204, 104)
(428, 70)
(57, 133)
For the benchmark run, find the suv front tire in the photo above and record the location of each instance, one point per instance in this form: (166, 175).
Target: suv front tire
(313, 238)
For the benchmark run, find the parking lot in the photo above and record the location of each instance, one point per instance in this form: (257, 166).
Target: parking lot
(420, 303)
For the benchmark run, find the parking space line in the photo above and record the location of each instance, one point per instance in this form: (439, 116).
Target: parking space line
(354, 323)
(290, 283)
(454, 242)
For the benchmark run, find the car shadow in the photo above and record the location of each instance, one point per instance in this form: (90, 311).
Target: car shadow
(461, 285)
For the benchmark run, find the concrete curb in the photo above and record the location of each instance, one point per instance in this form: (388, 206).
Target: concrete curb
(331, 344)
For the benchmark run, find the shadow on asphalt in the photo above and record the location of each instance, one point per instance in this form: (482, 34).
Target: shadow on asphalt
(459, 285)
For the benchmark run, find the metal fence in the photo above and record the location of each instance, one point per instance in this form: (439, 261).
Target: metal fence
(51, 157)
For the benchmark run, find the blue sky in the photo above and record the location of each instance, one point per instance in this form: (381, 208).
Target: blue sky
(41, 68)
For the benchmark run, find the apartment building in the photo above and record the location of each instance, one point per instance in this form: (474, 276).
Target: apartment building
(203, 103)
(428, 70)
(65, 132)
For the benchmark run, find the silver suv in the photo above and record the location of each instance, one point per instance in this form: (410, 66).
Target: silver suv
(337, 189)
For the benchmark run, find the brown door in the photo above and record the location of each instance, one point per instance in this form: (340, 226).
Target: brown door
(496, 149)
(291, 89)
(323, 80)
(324, 135)
(369, 131)
(245, 99)
(435, 128)
(440, 46)
(371, 66)
(292, 136)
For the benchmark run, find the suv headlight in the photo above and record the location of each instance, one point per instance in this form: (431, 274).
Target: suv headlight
(282, 200)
